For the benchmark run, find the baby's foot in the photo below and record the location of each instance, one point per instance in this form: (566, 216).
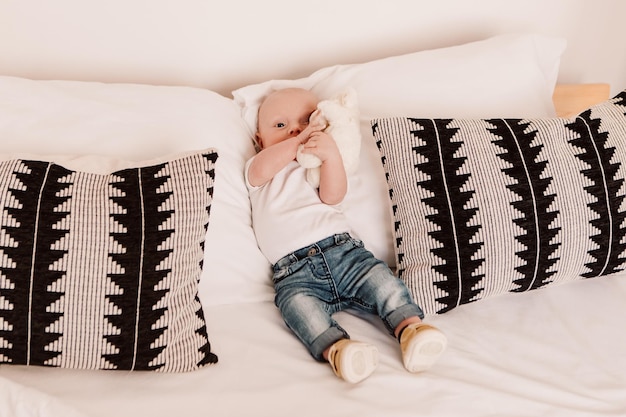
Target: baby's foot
(352, 361)
(421, 346)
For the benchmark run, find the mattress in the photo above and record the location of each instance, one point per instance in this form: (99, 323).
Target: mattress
(558, 351)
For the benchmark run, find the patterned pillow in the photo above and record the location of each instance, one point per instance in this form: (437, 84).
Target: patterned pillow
(484, 207)
(101, 271)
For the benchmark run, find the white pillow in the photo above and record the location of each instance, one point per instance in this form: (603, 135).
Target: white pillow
(504, 76)
(107, 127)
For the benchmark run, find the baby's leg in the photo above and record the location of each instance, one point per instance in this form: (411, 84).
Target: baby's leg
(307, 316)
(420, 344)
(326, 340)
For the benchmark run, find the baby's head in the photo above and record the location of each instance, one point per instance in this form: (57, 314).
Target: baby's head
(284, 114)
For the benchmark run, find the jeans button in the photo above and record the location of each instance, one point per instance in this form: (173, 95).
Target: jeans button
(311, 252)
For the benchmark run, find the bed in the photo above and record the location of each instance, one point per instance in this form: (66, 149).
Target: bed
(85, 331)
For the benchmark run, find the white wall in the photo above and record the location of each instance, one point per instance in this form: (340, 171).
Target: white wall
(229, 43)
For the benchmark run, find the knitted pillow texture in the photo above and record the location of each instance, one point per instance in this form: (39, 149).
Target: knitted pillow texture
(101, 271)
(486, 207)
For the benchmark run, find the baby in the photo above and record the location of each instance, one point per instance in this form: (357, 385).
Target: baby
(320, 266)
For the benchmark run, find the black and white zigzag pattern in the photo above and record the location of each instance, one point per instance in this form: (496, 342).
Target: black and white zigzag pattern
(101, 271)
(483, 207)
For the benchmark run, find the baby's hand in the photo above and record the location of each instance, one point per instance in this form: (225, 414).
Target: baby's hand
(317, 121)
(321, 145)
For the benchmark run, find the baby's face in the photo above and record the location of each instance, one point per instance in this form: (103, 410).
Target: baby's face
(284, 114)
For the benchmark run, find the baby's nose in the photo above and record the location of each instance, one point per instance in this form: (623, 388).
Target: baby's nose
(295, 130)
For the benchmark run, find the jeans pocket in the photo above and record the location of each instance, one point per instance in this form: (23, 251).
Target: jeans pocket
(357, 243)
(280, 274)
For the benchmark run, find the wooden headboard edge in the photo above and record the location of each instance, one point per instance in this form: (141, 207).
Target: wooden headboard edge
(571, 99)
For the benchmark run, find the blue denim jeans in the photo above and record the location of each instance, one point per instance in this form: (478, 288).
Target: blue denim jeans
(331, 275)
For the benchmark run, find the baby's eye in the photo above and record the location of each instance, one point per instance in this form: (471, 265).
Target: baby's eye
(279, 124)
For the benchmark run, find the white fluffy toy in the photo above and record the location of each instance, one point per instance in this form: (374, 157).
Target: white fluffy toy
(340, 115)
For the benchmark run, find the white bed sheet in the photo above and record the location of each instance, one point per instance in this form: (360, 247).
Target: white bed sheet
(17, 400)
(558, 351)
